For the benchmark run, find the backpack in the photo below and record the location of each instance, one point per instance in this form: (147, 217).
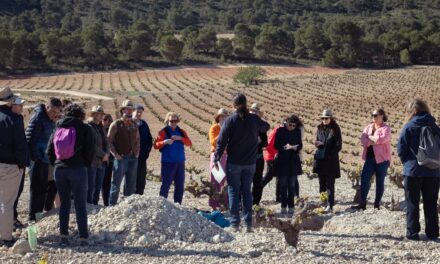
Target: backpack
(428, 154)
(64, 143)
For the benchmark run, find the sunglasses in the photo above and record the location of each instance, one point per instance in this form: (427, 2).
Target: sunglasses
(292, 124)
(174, 121)
(374, 115)
(325, 118)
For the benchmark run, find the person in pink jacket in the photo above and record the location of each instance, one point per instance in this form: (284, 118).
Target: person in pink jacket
(376, 142)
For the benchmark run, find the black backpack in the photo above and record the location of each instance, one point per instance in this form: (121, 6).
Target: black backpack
(428, 154)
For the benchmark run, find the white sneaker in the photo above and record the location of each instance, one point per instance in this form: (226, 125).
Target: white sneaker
(328, 209)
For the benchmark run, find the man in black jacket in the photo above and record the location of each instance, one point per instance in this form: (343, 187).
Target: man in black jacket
(12, 162)
(41, 126)
(239, 135)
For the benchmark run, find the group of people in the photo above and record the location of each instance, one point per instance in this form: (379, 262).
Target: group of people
(71, 156)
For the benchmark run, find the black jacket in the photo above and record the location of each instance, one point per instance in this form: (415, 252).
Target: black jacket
(263, 143)
(288, 162)
(84, 145)
(240, 137)
(332, 139)
(38, 133)
(13, 147)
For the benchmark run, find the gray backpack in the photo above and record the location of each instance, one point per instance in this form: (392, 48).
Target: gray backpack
(428, 154)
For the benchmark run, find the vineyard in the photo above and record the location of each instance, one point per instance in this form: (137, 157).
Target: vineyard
(197, 93)
(372, 236)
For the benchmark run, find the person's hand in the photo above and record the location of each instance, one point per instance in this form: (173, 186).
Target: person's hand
(105, 158)
(176, 138)
(372, 139)
(168, 141)
(295, 147)
(318, 143)
(216, 165)
(288, 146)
(118, 157)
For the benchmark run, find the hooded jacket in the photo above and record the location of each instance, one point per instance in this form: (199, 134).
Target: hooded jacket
(84, 145)
(38, 133)
(409, 140)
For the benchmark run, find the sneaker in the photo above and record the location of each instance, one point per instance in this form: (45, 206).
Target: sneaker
(377, 206)
(291, 211)
(249, 229)
(413, 238)
(18, 225)
(9, 243)
(328, 209)
(283, 210)
(83, 242)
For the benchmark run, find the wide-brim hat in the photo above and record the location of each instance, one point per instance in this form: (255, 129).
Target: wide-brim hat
(18, 101)
(327, 113)
(220, 112)
(126, 104)
(97, 109)
(7, 96)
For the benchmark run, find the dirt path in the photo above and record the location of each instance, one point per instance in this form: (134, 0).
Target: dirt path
(73, 93)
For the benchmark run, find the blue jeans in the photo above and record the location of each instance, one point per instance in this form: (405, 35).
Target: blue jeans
(95, 177)
(173, 171)
(240, 179)
(370, 168)
(127, 167)
(72, 181)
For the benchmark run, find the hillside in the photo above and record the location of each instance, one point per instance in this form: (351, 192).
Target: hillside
(82, 34)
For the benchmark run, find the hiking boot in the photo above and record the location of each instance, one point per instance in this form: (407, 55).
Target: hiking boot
(291, 211)
(413, 238)
(18, 225)
(377, 206)
(283, 210)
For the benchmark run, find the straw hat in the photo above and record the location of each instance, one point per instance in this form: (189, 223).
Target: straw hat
(98, 109)
(220, 112)
(6, 96)
(18, 101)
(127, 104)
(327, 113)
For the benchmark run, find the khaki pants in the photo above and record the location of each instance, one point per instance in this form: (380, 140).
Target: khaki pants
(9, 184)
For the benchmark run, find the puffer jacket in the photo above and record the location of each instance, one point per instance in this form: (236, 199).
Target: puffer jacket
(38, 132)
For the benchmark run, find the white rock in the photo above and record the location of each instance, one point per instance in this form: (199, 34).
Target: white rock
(21, 247)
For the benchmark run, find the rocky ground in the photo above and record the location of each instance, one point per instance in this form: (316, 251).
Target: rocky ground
(150, 230)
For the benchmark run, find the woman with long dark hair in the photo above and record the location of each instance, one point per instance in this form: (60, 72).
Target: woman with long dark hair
(326, 159)
(419, 179)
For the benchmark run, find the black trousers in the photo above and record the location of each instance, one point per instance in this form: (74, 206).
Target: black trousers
(257, 185)
(429, 188)
(50, 195)
(107, 182)
(38, 188)
(268, 176)
(20, 191)
(141, 175)
(327, 184)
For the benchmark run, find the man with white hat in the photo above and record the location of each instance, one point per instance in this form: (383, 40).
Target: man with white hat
(17, 107)
(124, 142)
(12, 162)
